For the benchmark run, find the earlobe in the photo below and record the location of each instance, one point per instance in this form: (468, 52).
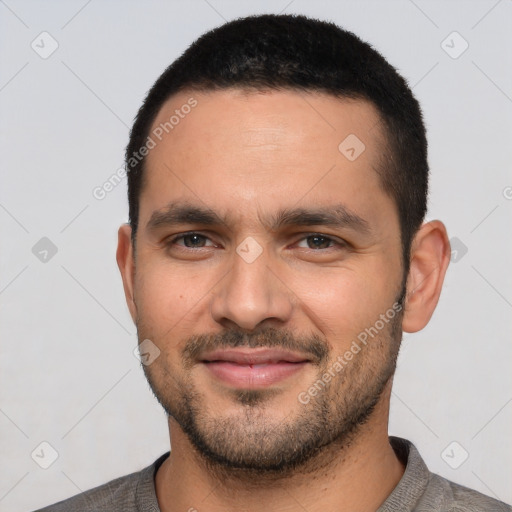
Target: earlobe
(126, 264)
(430, 257)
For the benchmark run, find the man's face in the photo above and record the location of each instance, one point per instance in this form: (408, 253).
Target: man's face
(264, 282)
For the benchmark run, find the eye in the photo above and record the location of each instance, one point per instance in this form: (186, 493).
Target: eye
(314, 241)
(190, 240)
(317, 241)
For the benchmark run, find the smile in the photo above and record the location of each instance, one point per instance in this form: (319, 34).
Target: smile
(253, 368)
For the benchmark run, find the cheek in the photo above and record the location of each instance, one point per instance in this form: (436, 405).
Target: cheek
(164, 296)
(335, 299)
(345, 301)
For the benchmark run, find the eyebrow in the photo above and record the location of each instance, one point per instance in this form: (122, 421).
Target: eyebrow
(336, 216)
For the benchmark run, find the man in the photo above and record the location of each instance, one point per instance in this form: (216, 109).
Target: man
(276, 250)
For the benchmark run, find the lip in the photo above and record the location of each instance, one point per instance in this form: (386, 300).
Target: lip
(253, 356)
(253, 368)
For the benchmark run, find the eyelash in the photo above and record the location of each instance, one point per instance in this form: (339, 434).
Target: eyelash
(174, 239)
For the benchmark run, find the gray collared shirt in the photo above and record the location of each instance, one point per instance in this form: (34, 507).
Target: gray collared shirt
(419, 490)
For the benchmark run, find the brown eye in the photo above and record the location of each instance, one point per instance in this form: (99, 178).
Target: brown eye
(190, 240)
(318, 242)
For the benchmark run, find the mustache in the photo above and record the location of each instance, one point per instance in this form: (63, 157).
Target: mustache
(315, 347)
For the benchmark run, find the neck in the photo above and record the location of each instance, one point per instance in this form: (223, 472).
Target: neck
(335, 479)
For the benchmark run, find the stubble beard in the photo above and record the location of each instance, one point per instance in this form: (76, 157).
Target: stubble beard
(252, 444)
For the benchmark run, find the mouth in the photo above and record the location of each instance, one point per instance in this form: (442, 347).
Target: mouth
(253, 368)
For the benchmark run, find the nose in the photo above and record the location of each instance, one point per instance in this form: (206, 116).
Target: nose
(250, 294)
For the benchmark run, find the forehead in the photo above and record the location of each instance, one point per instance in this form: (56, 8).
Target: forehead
(235, 149)
(263, 117)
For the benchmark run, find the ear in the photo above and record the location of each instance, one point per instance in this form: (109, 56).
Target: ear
(430, 257)
(126, 263)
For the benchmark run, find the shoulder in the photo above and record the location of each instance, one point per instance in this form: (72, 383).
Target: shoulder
(459, 498)
(99, 498)
(120, 492)
(420, 490)
(124, 494)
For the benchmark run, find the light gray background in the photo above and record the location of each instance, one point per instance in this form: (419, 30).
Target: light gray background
(68, 373)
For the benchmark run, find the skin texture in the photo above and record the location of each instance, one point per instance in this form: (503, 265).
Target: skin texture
(246, 156)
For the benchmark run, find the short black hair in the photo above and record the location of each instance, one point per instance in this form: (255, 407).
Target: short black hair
(295, 52)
